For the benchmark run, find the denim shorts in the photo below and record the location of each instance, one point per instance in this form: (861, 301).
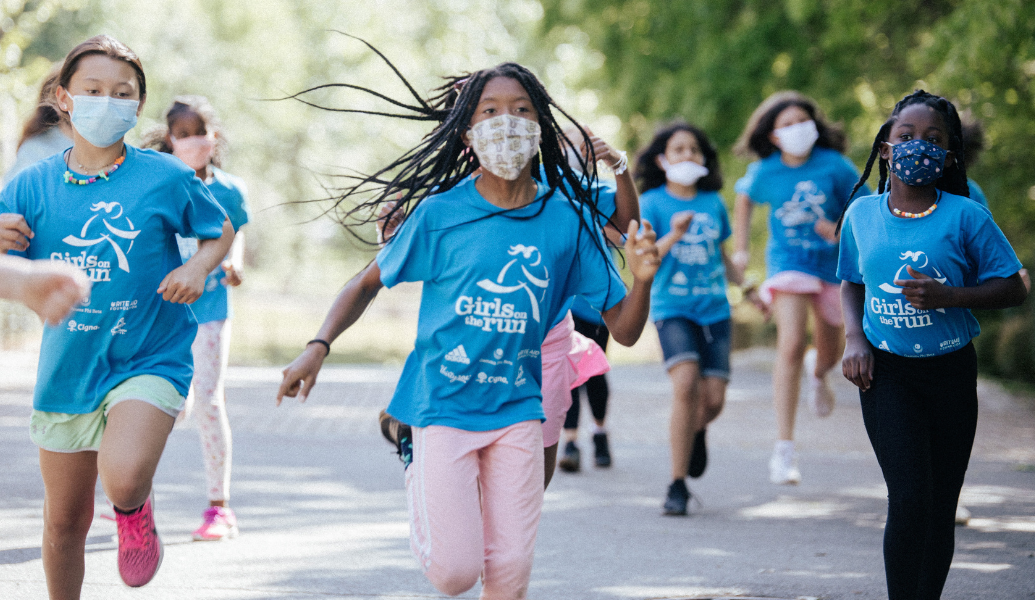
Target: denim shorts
(682, 340)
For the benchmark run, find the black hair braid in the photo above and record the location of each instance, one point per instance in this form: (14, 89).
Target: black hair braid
(442, 160)
(954, 177)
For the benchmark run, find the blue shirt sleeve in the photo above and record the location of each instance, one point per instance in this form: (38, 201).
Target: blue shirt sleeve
(203, 217)
(237, 211)
(596, 277)
(407, 256)
(848, 258)
(976, 193)
(743, 185)
(725, 230)
(990, 254)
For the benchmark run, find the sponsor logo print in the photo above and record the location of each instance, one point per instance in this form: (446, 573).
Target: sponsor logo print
(119, 328)
(918, 348)
(519, 379)
(528, 354)
(949, 343)
(458, 355)
(884, 346)
(74, 326)
(124, 305)
(498, 354)
(485, 378)
(453, 377)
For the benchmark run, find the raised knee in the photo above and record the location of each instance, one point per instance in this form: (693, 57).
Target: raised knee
(454, 581)
(126, 492)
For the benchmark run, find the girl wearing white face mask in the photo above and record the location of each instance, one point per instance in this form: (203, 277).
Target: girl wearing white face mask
(803, 176)
(500, 255)
(113, 375)
(679, 178)
(194, 134)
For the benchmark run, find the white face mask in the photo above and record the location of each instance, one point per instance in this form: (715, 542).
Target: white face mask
(504, 144)
(683, 173)
(797, 139)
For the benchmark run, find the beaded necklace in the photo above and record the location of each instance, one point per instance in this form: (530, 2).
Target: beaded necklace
(909, 215)
(103, 174)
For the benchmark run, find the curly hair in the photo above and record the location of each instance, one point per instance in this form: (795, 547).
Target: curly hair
(649, 175)
(754, 140)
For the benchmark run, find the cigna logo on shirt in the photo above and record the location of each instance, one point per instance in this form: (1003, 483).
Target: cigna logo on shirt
(523, 276)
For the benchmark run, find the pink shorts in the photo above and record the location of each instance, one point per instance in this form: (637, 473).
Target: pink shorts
(569, 360)
(826, 297)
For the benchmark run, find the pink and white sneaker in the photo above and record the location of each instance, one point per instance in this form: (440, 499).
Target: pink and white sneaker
(140, 548)
(220, 524)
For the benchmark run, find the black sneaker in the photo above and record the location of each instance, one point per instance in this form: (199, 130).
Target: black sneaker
(400, 435)
(698, 457)
(676, 499)
(601, 451)
(569, 463)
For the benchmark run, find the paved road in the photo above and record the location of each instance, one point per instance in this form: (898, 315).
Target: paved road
(322, 510)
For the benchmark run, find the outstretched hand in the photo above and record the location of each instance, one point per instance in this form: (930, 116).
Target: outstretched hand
(300, 375)
(923, 291)
(641, 251)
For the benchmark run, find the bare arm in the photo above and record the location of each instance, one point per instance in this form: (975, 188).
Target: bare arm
(742, 209)
(186, 284)
(626, 319)
(352, 301)
(50, 289)
(627, 201)
(677, 229)
(233, 267)
(925, 293)
(857, 363)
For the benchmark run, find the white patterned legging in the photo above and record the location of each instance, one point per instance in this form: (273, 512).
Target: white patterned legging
(206, 402)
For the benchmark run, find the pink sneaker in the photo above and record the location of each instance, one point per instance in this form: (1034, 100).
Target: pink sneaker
(220, 524)
(140, 548)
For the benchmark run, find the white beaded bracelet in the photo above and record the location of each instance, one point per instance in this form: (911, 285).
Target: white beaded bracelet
(622, 165)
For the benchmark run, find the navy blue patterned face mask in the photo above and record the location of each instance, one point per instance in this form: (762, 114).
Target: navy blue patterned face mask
(917, 162)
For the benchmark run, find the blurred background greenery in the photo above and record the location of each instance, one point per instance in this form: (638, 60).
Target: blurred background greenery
(621, 66)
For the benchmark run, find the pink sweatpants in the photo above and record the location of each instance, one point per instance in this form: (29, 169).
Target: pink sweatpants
(475, 498)
(569, 360)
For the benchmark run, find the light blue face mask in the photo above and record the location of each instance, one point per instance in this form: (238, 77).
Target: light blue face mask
(103, 120)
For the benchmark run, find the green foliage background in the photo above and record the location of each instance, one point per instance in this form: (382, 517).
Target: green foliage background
(621, 66)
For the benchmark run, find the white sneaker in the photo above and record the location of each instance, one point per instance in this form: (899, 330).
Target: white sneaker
(820, 396)
(783, 464)
(962, 515)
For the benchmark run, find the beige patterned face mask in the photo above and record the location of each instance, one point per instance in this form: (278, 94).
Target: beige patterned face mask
(504, 144)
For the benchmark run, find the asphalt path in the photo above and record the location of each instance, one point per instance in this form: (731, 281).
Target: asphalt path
(320, 501)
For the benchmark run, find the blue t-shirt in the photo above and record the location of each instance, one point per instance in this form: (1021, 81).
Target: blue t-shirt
(581, 309)
(798, 196)
(691, 281)
(121, 233)
(958, 244)
(976, 193)
(493, 286)
(230, 192)
(743, 185)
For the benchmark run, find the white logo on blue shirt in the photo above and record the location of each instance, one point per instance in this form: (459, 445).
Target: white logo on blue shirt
(541, 282)
(490, 314)
(899, 313)
(458, 355)
(99, 270)
(805, 206)
(119, 328)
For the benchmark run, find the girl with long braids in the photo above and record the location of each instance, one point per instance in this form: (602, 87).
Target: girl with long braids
(500, 254)
(806, 181)
(915, 258)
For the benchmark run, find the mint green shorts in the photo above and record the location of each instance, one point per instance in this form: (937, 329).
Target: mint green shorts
(64, 432)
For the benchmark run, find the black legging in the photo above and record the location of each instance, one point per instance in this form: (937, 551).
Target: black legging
(920, 415)
(596, 387)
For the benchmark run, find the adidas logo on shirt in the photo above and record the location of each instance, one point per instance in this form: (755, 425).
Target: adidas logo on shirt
(458, 355)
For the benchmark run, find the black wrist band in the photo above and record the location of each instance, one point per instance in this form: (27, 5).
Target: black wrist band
(325, 343)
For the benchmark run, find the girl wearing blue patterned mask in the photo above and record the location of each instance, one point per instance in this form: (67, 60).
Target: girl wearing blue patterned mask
(914, 260)
(500, 255)
(113, 376)
(806, 181)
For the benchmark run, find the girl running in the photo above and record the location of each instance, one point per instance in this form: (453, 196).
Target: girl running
(113, 377)
(194, 135)
(914, 259)
(499, 254)
(680, 177)
(806, 181)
